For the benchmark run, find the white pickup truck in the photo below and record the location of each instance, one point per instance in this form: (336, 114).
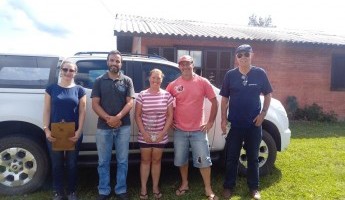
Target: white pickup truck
(24, 163)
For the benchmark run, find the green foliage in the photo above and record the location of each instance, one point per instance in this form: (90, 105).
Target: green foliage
(260, 22)
(312, 112)
(292, 106)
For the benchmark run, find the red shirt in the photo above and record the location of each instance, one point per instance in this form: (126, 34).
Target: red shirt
(189, 100)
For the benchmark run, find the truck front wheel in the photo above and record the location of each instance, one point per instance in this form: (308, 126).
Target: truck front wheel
(23, 165)
(267, 155)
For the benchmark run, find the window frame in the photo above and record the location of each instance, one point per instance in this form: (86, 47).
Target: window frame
(337, 73)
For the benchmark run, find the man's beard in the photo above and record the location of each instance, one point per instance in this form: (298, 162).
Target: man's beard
(114, 69)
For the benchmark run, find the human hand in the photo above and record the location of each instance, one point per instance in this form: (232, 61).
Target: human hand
(76, 136)
(259, 119)
(223, 125)
(146, 137)
(160, 136)
(206, 127)
(114, 122)
(49, 136)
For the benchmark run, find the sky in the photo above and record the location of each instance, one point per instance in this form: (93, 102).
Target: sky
(64, 27)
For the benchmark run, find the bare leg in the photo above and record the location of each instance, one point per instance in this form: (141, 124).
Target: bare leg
(184, 176)
(156, 168)
(206, 176)
(145, 166)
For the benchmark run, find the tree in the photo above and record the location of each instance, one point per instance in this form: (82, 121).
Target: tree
(261, 22)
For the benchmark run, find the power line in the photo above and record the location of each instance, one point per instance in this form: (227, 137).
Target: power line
(107, 9)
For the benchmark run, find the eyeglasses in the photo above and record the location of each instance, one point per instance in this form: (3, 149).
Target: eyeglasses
(239, 55)
(245, 80)
(67, 70)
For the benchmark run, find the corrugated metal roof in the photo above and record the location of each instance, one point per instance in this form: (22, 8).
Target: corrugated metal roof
(138, 25)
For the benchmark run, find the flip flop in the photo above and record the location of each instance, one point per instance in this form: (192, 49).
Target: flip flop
(158, 195)
(143, 196)
(181, 192)
(212, 197)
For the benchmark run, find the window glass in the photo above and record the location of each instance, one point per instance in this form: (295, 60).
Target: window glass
(197, 56)
(153, 50)
(182, 52)
(24, 76)
(26, 71)
(169, 54)
(211, 60)
(166, 52)
(338, 73)
(89, 70)
(170, 74)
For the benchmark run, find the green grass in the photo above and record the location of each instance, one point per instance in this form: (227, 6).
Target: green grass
(313, 167)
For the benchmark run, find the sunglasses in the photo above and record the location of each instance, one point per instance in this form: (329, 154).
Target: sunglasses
(245, 80)
(240, 55)
(67, 70)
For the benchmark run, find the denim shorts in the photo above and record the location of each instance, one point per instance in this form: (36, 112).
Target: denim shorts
(197, 141)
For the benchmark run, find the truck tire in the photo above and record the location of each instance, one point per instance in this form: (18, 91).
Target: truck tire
(267, 156)
(23, 165)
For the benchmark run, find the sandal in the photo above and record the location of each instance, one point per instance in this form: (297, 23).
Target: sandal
(143, 196)
(212, 197)
(181, 192)
(158, 195)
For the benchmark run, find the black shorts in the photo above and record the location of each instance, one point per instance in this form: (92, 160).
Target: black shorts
(151, 145)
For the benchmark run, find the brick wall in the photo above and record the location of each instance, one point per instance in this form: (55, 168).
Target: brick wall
(300, 70)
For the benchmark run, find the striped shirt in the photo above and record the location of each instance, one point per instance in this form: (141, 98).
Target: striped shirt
(154, 110)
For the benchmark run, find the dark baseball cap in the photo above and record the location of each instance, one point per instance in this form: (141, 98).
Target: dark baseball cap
(244, 48)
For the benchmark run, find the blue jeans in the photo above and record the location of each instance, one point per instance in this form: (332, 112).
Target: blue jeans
(105, 138)
(198, 142)
(58, 161)
(252, 139)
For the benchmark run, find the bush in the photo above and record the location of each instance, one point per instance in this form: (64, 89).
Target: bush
(312, 112)
(292, 106)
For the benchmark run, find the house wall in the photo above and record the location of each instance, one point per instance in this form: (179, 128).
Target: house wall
(300, 70)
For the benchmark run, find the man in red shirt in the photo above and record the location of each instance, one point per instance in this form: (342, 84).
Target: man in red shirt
(189, 91)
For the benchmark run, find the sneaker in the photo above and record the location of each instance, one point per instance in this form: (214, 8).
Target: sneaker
(72, 196)
(103, 197)
(122, 196)
(57, 196)
(256, 194)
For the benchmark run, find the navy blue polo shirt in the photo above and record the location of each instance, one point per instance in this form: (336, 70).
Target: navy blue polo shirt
(113, 94)
(244, 95)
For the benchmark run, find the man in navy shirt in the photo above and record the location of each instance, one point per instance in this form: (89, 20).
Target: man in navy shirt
(240, 93)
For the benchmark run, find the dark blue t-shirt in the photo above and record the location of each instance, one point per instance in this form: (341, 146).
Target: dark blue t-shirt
(65, 103)
(244, 95)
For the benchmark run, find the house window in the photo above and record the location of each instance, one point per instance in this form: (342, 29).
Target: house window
(338, 73)
(217, 63)
(166, 52)
(196, 55)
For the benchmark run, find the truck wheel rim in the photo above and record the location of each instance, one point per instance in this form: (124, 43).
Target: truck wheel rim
(263, 155)
(17, 167)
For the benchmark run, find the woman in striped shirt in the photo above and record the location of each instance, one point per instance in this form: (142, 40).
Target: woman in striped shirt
(154, 116)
